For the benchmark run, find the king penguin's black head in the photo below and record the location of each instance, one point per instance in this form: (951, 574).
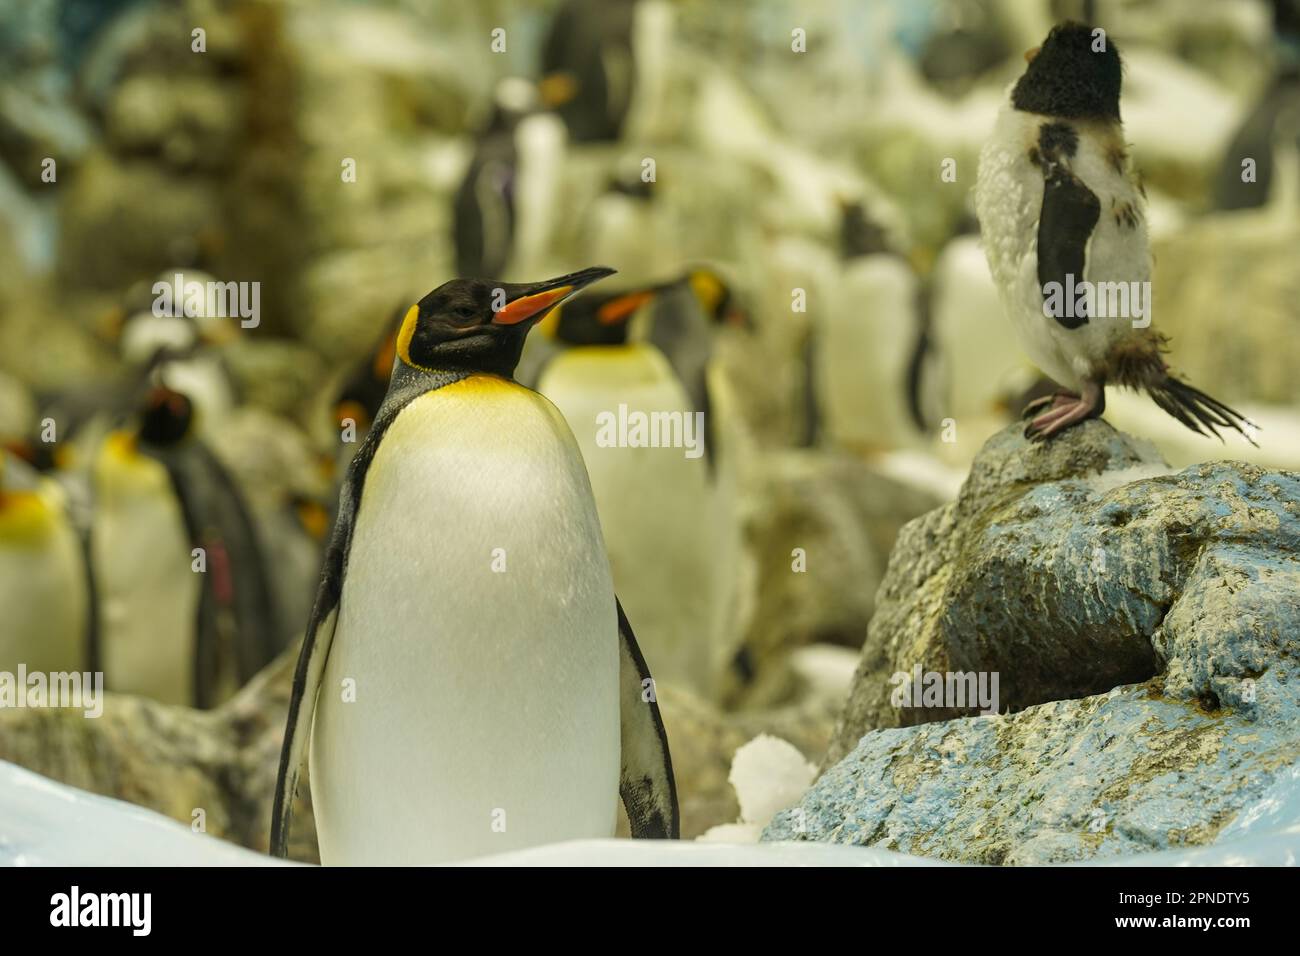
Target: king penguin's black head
(1075, 74)
(479, 325)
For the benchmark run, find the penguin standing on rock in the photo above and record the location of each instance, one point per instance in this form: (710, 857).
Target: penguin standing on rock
(1064, 228)
(468, 681)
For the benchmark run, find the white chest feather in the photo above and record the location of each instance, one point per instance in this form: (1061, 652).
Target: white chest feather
(469, 704)
(42, 585)
(663, 520)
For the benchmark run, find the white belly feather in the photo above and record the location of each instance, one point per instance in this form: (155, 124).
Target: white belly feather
(486, 708)
(43, 599)
(665, 525)
(148, 590)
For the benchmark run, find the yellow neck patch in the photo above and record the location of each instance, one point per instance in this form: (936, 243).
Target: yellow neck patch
(406, 333)
(480, 383)
(708, 289)
(25, 518)
(550, 324)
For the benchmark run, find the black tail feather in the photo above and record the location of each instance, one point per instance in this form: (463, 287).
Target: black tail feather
(1198, 411)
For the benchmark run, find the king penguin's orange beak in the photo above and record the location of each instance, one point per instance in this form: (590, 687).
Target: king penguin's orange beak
(534, 299)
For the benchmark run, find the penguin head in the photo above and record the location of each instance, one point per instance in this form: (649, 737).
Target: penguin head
(716, 299)
(165, 417)
(1074, 74)
(598, 320)
(479, 325)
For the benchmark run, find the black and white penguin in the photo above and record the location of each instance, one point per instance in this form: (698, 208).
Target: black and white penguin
(1060, 208)
(180, 627)
(588, 67)
(864, 344)
(483, 209)
(669, 516)
(468, 681)
(182, 347)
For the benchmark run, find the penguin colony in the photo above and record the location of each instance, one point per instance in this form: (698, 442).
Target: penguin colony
(469, 679)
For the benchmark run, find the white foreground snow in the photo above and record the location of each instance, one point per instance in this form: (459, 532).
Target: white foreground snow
(44, 823)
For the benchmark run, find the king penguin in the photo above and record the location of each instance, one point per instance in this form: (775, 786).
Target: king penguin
(45, 592)
(186, 614)
(468, 682)
(669, 515)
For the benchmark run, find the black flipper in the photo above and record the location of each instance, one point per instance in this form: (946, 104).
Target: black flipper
(1068, 216)
(302, 702)
(319, 637)
(217, 518)
(646, 781)
(921, 353)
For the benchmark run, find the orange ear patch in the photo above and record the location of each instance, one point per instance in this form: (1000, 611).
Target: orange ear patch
(353, 410)
(314, 519)
(384, 358)
(525, 308)
(618, 310)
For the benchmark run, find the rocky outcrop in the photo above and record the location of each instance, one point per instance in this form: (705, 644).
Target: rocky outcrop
(1070, 568)
(215, 766)
(1112, 774)
(842, 516)
(1144, 629)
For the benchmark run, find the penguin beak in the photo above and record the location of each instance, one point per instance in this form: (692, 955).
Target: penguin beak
(623, 308)
(1030, 54)
(531, 300)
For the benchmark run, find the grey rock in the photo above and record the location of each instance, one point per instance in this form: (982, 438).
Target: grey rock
(845, 516)
(174, 760)
(1097, 778)
(1169, 603)
(1058, 571)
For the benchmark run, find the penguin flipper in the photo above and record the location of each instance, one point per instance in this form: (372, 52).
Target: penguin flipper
(1069, 214)
(319, 638)
(645, 781)
(302, 705)
(302, 701)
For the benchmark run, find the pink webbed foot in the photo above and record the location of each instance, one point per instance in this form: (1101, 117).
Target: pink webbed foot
(1056, 400)
(1067, 411)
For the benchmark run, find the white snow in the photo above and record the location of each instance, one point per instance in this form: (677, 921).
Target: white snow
(45, 823)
